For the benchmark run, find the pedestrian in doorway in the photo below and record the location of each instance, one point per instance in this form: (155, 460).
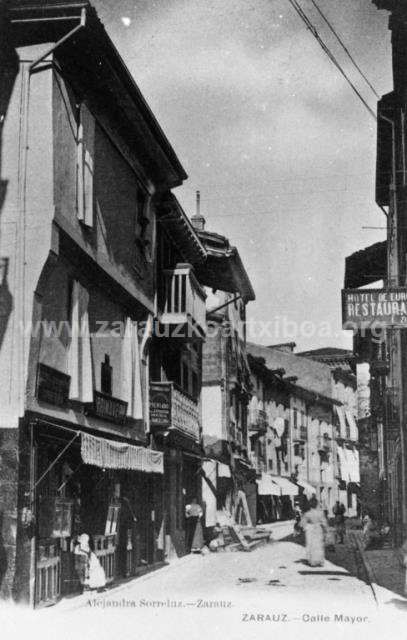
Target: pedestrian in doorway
(368, 530)
(339, 519)
(82, 560)
(194, 533)
(315, 526)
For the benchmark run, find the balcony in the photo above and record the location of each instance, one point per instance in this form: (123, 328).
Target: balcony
(300, 435)
(172, 408)
(182, 309)
(259, 423)
(259, 465)
(324, 443)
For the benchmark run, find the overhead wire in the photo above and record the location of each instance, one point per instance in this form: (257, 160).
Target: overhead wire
(329, 53)
(344, 47)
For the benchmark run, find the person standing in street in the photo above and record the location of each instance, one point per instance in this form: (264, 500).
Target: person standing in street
(194, 533)
(339, 514)
(315, 525)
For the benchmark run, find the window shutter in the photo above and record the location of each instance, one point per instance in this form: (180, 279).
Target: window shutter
(79, 355)
(384, 156)
(85, 164)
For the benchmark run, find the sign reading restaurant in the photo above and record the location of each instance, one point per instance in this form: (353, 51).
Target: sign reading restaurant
(379, 307)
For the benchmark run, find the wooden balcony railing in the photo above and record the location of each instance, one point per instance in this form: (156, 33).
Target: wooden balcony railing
(171, 407)
(185, 413)
(183, 306)
(300, 434)
(259, 422)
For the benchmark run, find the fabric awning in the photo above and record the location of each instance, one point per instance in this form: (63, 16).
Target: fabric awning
(266, 486)
(223, 470)
(287, 488)
(309, 489)
(109, 454)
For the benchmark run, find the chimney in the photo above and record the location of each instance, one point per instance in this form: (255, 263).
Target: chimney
(198, 221)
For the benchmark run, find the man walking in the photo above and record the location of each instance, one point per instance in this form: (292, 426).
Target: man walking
(339, 513)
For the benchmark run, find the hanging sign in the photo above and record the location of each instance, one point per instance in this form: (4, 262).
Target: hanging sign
(160, 404)
(374, 307)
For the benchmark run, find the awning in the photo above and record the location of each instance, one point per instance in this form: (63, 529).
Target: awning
(309, 489)
(266, 486)
(109, 454)
(287, 488)
(223, 470)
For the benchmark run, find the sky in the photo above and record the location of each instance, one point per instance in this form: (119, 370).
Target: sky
(281, 149)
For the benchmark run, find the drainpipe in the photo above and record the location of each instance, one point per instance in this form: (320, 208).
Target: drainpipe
(22, 257)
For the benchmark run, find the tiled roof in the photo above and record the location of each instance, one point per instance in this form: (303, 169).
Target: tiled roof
(315, 376)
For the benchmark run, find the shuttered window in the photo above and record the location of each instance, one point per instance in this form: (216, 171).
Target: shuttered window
(85, 166)
(384, 157)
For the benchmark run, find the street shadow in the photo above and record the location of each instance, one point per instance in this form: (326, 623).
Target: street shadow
(325, 573)
(399, 604)
(302, 561)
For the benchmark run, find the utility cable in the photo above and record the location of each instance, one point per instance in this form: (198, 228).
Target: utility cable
(344, 47)
(330, 55)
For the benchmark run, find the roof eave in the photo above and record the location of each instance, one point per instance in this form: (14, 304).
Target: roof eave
(40, 12)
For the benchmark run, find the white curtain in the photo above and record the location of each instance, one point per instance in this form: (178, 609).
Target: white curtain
(79, 355)
(85, 153)
(131, 370)
(208, 496)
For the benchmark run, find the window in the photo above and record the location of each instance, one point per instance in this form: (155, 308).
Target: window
(143, 231)
(270, 464)
(189, 371)
(106, 376)
(295, 418)
(84, 166)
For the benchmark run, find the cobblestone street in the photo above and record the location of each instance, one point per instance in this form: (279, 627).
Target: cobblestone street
(251, 594)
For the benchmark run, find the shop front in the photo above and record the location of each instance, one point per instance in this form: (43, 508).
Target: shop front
(275, 498)
(109, 490)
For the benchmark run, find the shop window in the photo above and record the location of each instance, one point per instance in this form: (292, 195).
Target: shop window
(106, 375)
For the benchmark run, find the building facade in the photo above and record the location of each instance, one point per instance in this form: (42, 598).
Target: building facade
(228, 481)
(86, 167)
(308, 440)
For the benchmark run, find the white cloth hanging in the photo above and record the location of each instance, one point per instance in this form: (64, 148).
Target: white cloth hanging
(208, 496)
(131, 373)
(79, 354)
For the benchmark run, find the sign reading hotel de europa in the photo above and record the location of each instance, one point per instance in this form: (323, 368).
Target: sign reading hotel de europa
(374, 307)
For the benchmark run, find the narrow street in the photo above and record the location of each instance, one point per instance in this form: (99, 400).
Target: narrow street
(249, 594)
